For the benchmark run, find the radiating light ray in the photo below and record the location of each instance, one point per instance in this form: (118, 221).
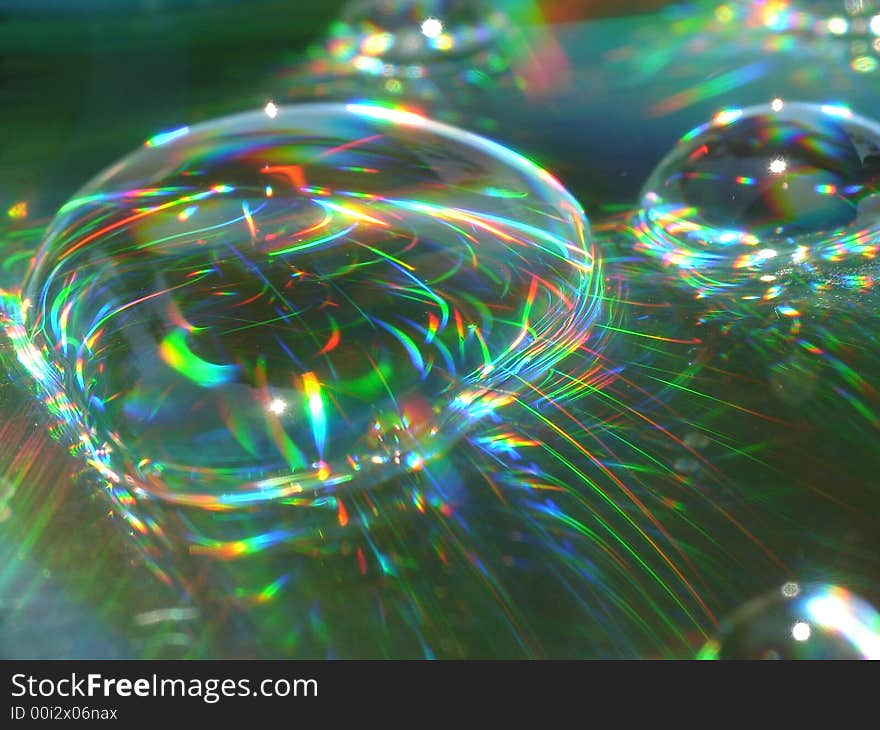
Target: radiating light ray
(177, 354)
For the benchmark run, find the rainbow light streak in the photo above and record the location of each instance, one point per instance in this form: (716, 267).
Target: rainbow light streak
(166, 137)
(395, 115)
(176, 353)
(316, 410)
(837, 610)
(711, 89)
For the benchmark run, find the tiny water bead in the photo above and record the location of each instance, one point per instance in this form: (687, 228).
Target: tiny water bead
(436, 53)
(397, 37)
(286, 302)
(844, 19)
(766, 191)
(800, 621)
(819, 37)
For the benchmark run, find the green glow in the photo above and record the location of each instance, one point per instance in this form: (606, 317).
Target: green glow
(174, 350)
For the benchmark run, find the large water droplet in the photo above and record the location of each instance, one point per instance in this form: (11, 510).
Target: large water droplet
(766, 191)
(812, 621)
(282, 302)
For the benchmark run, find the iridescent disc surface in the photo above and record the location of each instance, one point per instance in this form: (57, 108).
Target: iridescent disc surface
(764, 191)
(300, 298)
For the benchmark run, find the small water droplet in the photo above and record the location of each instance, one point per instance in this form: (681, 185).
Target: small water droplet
(800, 621)
(757, 195)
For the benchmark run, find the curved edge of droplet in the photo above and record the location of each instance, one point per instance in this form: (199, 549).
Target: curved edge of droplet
(139, 478)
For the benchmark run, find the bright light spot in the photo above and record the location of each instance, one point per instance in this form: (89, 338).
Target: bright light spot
(277, 406)
(368, 64)
(777, 104)
(836, 610)
(377, 43)
(444, 42)
(187, 213)
(875, 25)
(767, 253)
(863, 64)
(166, 137)
(837, 110)
(830, 611)
(727, 116)
(801, 631)
(432, 27)
(396, 116)
(18, 211)
(778, 166)
(271, 110)
(837, 25)
(790, 589)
